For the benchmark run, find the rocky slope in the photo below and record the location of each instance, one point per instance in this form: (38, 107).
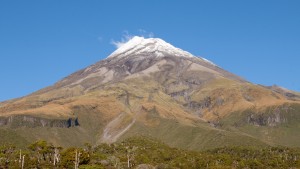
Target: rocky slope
(149, 87)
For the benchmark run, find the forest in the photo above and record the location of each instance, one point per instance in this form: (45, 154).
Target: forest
(144, 153)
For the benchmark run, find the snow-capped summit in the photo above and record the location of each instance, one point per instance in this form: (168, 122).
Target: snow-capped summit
(139, 45)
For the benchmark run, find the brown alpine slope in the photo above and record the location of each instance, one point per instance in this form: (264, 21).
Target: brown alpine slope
(148, 87)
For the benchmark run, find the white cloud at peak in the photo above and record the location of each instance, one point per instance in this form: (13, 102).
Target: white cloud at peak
(117, 44)
(146, 34)
(125, 38)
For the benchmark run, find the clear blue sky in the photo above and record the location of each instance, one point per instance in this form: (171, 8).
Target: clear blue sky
(42, 41)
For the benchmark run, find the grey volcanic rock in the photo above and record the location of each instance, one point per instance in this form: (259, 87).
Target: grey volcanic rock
(31, 121)
(153, 57)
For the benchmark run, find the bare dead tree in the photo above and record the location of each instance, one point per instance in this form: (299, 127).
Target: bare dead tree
(128, 160)
(23, 161)
(77, 159)
(130, 155)
(56, 158)
(20, 158)
(76, 167)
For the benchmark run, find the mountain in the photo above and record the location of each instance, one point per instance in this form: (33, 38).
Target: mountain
(149, 87)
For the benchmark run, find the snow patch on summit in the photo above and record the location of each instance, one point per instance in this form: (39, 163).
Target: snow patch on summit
(139, 45)
(208, 61)
(154, 46)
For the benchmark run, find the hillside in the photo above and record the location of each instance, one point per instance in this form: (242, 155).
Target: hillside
(149, 87)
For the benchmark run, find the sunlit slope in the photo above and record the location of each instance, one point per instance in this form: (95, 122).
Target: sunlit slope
(151, 88)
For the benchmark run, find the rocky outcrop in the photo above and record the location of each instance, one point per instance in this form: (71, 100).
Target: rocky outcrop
(290, 95)
(206, 103)
(32, 121)
(273, 118)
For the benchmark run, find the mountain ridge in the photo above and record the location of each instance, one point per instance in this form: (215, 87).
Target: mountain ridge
(149, 87)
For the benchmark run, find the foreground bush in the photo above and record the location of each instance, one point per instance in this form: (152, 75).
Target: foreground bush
(140, 152)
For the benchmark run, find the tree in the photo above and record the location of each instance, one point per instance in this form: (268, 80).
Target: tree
(130, 155)
(41, 149)
(7, 156)
(74, 156)
(56, 155)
